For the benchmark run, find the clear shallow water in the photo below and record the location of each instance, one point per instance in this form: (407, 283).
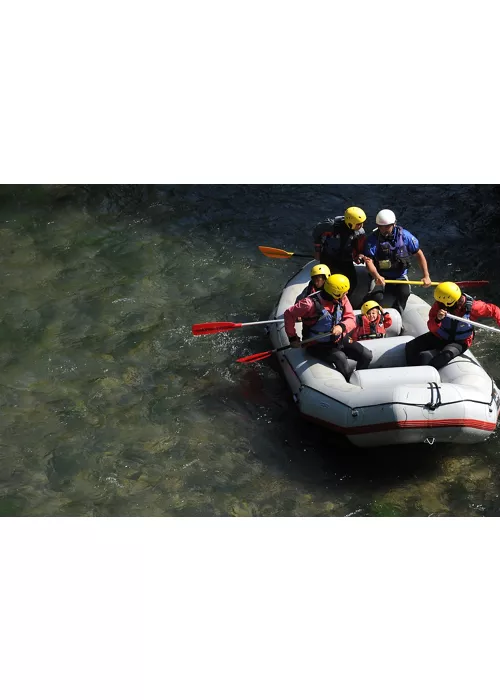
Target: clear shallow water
(111, 407)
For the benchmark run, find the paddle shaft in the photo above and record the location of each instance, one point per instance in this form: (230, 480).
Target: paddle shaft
(303, 342)
(465, 283)
(259, 323)
(474, 323)
(264, 355)
(419, 282)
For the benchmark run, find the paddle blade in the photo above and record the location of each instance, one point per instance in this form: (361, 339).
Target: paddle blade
(257, 357)
(473, 283)
(275, 253)
(212, 328)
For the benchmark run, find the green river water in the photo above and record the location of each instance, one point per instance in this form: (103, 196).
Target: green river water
(110, 407)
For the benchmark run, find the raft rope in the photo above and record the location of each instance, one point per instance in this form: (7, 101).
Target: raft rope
(434, 403)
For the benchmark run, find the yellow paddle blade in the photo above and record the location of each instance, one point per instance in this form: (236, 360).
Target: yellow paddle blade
(274, 252)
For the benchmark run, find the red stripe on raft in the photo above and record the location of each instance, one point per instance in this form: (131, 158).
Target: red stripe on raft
(406, 425)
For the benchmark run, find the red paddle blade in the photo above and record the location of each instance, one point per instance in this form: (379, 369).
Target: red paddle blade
(256, 358)
(473, 283)
(211, 328)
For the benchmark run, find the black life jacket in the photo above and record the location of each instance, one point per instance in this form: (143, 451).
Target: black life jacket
(338, 242)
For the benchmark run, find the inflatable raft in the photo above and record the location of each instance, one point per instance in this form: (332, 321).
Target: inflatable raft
(389, 403)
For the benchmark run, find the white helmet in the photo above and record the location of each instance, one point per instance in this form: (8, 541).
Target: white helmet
(385, 217)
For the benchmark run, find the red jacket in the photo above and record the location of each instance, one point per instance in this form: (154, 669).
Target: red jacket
(364, 328)
(480, 309)
(358, 248)
(306, 309)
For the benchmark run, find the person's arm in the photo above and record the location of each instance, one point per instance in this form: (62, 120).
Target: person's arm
(423, 266)
(481, 309)
(291, 316)
(436, 315)
(358, 245)
(386, 316)
(317, 234)
(348, 322)
(380, 281)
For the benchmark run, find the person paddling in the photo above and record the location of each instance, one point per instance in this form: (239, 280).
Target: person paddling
(448, 338)
(388, 254)
(329, 310)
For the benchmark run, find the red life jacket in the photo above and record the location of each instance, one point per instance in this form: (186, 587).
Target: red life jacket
(367, 330)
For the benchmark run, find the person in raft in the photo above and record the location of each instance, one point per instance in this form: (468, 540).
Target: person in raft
(371, 323)
(339, 243)
(319, 273)
(388, 253)
(448, 338)
(328, 311)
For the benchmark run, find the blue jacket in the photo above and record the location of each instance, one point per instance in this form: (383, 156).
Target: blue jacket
(392, 256)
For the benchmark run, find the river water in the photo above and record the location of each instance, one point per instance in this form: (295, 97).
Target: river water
(110, 407)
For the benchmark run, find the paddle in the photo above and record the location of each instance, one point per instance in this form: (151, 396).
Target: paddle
(279, 254)
(222, 327)
(474, 323)
(466, 283)
(264, 355)
(282, 254)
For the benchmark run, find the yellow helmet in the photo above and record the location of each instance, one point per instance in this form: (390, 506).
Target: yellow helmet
(369, 305)
(447, 293)
(337, 286)
(320, 270)
(353, 216)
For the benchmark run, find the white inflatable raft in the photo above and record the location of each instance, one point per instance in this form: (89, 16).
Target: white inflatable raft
(389, 403)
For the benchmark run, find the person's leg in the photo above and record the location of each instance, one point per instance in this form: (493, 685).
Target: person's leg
(395, 295)
(338, 359)
(317, 350)
(402, 292)
(328, 261)
(348, 269)
(376, 294)
(448, 353)
(426, 357)
(342, 267)
(358, 352)
(427, 341)
(332, 356)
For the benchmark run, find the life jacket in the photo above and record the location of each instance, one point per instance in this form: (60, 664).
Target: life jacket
(392, 256)
(323, 321)
(369, 330)
(457, 331)
(340, 241)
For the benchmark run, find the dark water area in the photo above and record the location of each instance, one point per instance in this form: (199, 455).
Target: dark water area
(110, 407)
